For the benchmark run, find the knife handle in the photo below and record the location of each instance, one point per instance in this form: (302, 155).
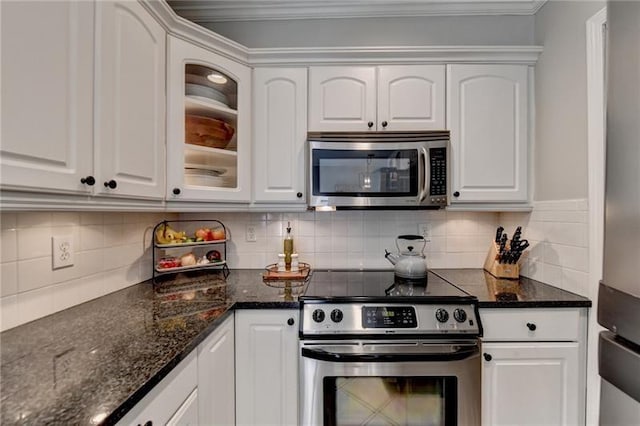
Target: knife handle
(499, 234)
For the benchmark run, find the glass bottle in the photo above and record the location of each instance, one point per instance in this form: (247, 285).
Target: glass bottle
(288, 247)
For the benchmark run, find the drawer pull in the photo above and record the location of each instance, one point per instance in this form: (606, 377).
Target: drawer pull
(531, 326)
(487, 357)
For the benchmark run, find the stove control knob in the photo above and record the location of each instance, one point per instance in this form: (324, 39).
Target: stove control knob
(460, 315)
(442, 315)
(336, 315)
(318, 315)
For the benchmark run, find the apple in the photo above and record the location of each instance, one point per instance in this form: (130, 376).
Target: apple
(202, 233)
(214, 256)
(218, 234)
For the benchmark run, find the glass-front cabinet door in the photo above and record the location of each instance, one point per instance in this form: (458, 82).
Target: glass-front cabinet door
(208, 140)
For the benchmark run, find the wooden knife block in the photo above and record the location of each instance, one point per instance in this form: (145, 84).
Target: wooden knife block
(500, 270)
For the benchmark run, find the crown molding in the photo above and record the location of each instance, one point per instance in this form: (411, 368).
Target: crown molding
(527, 55)
(180, 27)
(210, 11)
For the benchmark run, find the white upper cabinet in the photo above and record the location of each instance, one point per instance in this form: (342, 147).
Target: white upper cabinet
(47, 95)
(208, 125)
(342, 98)
(487, 114)
(279, 134)
(411, 97)
(130, 101)
(393, 97)
(52, 91)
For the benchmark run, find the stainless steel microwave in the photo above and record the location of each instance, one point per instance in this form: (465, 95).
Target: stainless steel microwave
(379, 169)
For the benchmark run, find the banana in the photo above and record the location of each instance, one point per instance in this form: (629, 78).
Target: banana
(167, 235)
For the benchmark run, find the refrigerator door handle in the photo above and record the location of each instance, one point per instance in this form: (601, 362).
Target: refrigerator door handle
(619, 363)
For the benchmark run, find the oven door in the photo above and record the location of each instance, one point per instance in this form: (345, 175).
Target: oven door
(390, 382)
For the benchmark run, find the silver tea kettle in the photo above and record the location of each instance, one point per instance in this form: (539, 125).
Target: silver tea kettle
(409, 262)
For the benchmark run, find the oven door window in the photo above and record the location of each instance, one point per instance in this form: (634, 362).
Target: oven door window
(424, 401)
(370, 173)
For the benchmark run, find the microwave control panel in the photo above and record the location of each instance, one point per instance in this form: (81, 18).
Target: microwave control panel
(438, 165)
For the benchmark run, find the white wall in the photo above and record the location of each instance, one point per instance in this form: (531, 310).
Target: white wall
(111, 252)
(560, 169)
(395, 31)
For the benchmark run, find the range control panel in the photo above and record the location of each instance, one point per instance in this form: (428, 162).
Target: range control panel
(402, 319)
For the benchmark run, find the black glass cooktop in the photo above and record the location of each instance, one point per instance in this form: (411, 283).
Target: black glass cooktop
(347, 285)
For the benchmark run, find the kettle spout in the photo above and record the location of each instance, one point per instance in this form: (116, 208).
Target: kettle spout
(393, 258)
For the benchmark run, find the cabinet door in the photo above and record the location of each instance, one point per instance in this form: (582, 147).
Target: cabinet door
(216, 381)
(487, 113)
(47, 95)
(531, 384)
(130, 101)
(216, 171)
(266, 367)
(187, 414)
(342, 98)
(280, 133)
(173, 400)
(411, 97)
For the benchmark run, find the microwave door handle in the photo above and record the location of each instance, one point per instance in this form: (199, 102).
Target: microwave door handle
(424, 173)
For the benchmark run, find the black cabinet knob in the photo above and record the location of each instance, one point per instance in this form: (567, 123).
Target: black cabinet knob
(370, 124)
(456, 194)
(176, 191)
(299, 195)
(385, 124)
(89, 180)
(487, 357)
(111, 184)
(531, 326)
(291, 321)
(148, 423)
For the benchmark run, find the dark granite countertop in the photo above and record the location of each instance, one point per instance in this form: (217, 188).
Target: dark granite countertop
(91, 363)
(501, 293)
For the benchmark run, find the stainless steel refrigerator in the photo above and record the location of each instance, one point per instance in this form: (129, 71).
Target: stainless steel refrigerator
(619, 293)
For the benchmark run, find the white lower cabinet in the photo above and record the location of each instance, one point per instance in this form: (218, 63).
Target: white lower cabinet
(533, 372)
(267, 367)
(172, 401)
(216, 381)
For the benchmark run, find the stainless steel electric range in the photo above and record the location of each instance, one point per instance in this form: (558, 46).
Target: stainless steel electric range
(373, 351)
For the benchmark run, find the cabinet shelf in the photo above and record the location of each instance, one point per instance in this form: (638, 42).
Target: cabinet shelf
(202, 106)
(195, 154)
(189, 227)
(195, 243)
(211, 265)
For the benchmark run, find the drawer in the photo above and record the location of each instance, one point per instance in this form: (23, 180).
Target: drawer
(548, 324)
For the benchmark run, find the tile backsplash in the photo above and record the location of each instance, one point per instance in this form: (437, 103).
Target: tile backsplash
(357, 239)
(112, 250)
(558, 232)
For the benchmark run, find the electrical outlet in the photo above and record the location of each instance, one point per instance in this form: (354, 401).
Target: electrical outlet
(251, 233)
(62, 249)
(424, 229)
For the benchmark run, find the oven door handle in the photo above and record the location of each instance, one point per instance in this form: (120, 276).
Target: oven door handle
(457, 355)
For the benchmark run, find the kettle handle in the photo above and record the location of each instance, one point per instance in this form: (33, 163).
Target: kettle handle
(410, 237)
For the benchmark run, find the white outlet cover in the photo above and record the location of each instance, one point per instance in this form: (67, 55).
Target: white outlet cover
(251, 233)
(62, 249)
